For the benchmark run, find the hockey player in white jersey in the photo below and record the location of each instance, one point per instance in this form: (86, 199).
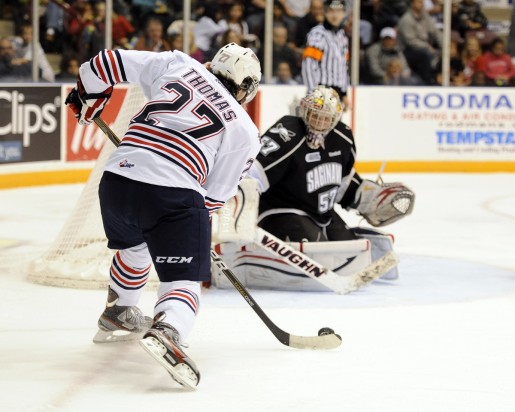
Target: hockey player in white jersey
(180, 160)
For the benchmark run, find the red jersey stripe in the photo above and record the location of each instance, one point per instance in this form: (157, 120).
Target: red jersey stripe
(193, 151)
(171, 152)
(100, 69)
(114, 68)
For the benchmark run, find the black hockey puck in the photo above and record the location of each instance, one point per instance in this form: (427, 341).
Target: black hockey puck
(325, 331)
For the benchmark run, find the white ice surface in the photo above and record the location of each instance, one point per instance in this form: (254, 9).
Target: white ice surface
(441, 338)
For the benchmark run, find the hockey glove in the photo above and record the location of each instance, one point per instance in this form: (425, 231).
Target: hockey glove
(385, 203)
(87, 106)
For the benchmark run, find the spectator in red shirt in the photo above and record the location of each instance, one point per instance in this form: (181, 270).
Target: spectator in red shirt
(122, 31)
(496, 65)
(81, 17)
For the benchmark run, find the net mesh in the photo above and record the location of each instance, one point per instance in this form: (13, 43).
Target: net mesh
(79, 257)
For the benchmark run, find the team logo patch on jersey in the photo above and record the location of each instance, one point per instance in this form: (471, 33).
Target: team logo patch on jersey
(126, 163)
(313, 157)
(337, 153)
(283, 132)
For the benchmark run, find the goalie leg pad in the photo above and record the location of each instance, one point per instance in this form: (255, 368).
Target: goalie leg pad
(258, 268)
(237, 219)
(381, 243)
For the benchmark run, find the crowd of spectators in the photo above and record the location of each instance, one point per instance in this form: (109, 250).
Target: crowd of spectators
(400, 40)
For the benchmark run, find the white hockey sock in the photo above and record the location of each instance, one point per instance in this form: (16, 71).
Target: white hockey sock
(180, 301)
(129, 274)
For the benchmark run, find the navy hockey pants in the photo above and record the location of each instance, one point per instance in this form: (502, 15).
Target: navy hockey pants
(173, 222)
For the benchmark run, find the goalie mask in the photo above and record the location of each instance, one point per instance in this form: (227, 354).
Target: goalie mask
(238, 65)
(321, 111)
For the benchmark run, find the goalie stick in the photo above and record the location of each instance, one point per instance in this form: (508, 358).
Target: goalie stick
(326, 338)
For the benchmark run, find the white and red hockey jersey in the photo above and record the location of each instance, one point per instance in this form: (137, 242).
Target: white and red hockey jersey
(191, 133)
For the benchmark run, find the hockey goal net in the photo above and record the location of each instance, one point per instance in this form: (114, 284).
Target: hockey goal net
(79, 257)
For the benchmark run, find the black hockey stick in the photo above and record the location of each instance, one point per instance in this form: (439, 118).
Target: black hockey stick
(107, 131)
(326, 338)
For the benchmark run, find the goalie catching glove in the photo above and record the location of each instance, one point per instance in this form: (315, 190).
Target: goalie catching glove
(383, 203)
(87, 106)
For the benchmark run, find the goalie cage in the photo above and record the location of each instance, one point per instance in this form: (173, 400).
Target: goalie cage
(79, 257)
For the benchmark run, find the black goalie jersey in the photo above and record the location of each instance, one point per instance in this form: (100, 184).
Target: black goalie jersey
(300, 180)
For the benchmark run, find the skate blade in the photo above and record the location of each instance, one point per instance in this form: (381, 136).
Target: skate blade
(103, 336)
(181, 372)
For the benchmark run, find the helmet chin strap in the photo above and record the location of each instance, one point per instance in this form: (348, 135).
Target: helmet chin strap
(241, 100)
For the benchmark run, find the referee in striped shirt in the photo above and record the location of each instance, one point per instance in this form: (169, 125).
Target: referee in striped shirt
(325, 57)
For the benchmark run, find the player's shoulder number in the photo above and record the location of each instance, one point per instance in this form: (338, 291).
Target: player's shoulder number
(268, 145)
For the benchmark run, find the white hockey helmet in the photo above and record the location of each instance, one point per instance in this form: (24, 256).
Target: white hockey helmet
(239, 65)
(321, 111)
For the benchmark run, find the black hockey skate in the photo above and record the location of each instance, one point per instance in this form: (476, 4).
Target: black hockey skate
(163, 343)
(120, 323)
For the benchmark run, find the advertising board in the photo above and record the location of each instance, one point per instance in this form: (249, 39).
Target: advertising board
(29, 123)
(435, 124)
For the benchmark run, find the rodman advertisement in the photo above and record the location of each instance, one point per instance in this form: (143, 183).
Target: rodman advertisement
(29, 123)
(439, 124)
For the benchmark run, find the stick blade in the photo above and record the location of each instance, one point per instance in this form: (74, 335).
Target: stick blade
(324, 342)
(375, 270)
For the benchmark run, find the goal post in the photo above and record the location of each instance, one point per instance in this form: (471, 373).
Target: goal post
(79, 257)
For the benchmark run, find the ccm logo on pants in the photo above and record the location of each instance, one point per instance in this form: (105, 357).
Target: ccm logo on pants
(173, 259)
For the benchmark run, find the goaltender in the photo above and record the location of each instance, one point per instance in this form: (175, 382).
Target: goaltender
(306, 166)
